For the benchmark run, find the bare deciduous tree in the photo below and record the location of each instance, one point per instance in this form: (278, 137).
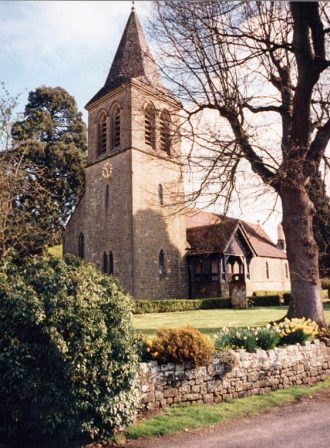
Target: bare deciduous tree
(254, 64)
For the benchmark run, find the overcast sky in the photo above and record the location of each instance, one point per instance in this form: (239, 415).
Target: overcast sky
(72, 44)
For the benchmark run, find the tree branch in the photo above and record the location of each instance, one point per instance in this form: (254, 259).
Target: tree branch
(255, 110)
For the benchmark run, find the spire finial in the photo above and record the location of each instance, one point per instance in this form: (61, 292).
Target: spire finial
(133, 7)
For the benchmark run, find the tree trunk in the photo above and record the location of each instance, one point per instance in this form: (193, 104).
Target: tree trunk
(302, 253)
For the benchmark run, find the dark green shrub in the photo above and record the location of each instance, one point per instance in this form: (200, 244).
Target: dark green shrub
(168, 306)
(267, 300)
(68, 361)
(184, 345)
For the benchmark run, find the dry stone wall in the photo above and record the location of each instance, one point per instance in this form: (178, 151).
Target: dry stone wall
(253, 374)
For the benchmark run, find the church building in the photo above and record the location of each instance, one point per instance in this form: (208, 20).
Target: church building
(128, 223)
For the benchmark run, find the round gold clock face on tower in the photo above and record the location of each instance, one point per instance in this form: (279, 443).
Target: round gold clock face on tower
(107, 171)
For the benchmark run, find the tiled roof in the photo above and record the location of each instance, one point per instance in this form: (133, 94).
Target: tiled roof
(133, 59)
(208, 233)
(261, 242)
(211, 238)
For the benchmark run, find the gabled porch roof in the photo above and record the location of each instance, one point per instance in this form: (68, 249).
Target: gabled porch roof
(211, 233)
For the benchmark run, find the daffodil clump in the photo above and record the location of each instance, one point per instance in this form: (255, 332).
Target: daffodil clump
(247, 338)
(294, 331)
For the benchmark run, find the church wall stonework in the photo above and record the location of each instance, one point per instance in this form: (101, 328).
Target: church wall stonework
(156, 227)
(277, 275)
(106, 229)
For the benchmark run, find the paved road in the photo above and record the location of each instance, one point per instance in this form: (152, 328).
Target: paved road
(304, 424)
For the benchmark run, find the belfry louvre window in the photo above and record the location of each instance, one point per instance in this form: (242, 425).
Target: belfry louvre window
(115, 127)
(81, 245)
(150, 126)
(102, 131)
(165, 138)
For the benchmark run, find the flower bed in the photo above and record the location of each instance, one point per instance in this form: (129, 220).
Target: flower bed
(187, 345)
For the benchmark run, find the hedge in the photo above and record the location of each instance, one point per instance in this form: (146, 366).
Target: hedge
(167, 306)
(325, 294)
(287, 298)
(270, 293)
(274, 300)
(171, 306)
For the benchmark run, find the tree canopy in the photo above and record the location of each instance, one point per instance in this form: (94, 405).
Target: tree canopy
(47, 154)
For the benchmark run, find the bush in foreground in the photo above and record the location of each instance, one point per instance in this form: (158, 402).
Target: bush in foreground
(68, 362)
(185, 345)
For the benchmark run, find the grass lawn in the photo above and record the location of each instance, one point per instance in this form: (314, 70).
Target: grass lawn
(209, 321)
(180, 418)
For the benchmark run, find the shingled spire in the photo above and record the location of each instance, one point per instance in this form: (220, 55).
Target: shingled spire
(133, 59)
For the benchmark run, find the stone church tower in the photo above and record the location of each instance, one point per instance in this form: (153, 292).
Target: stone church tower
(125, 223)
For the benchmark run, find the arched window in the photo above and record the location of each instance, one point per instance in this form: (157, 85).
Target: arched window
(161, 262)
(165, 138)
(160, 194)
(102, 134)
(115, 127)
(105, 263)
(286, 270)
(110, 263)
(150, 126)
(107, 196)
(81, 246)
(198, 270)
(267, 270)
